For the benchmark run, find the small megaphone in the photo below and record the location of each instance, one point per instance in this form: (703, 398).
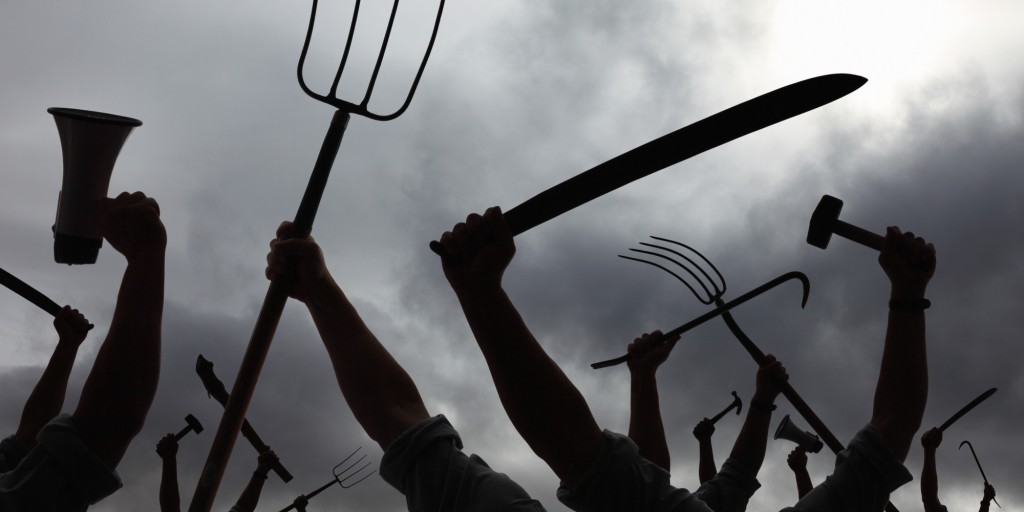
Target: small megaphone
(90, 143)
(790, 432)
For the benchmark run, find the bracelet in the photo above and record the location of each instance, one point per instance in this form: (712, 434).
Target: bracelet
(909, 304)
(762, 405)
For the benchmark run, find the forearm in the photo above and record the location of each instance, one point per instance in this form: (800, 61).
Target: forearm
(543, 404)
(902, 389)
(169, 498)
(929, 482)
(984, 506)
(645, 424)
(381, 394)
(47, 397)
(706, 467)
(803, 482)
(752, 441)
(251, 494)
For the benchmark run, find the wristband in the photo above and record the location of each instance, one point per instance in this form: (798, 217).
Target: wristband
(909, 304)
(762, 405)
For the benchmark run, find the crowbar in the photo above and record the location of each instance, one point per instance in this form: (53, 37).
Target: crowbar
(722, 308)
(969, 445)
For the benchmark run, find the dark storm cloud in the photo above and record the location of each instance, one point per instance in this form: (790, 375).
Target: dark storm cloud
(507, 109)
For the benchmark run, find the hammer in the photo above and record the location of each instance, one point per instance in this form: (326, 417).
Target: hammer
(193, 424)
(736, 402)
(825, 221)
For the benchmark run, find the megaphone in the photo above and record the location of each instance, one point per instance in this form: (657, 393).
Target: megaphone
(90, 142)
(790, 432)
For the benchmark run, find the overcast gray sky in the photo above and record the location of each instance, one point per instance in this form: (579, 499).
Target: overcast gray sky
(518, 97)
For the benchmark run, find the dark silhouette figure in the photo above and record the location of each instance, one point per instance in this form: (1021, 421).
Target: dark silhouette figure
(167, 449)
(70, 462)
(423, 456)
(706, 467)
(603, 470)
(645, 426)
(931, 440)
(797, 461)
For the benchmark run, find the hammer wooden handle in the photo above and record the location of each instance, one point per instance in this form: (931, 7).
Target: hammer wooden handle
(859, 235)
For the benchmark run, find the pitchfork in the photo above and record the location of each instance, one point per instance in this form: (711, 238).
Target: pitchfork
(273, 303)
(347, 477)
(713, 289)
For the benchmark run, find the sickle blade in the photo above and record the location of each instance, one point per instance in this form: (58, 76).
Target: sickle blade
(710, 132)
(967, 408)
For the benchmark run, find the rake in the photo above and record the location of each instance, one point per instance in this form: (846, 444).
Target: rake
(276, 297)
(711, 290)
(347, 477)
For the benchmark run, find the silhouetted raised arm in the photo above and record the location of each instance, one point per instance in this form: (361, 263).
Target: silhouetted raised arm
(750, 445)
(119, 390)
(797, 461)
(167, 449)
(250, 496)
(706, 467)
(382, 396)
(47, 397)
(646, 428)
(545, 407)
(929, 476)
(989, 495)
(902, 388)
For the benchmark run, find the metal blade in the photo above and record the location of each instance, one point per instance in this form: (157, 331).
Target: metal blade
(710, 132)
(974, 403)
(29, 293)
(719, 310)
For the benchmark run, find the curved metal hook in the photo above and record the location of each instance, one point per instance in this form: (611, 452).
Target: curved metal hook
(721, 309)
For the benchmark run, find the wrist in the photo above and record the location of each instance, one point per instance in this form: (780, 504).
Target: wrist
(898, 292)
(763, 402)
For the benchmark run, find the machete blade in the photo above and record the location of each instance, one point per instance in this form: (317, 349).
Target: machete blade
(708, 133)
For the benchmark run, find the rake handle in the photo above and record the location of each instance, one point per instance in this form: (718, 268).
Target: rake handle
(266, 325)
(794, 398)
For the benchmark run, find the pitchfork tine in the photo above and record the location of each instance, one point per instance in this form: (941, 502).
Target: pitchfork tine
(362, 108)
(711, 294)
(344, 472)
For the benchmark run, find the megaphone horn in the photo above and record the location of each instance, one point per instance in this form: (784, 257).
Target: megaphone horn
(90, 142)
(790, 432)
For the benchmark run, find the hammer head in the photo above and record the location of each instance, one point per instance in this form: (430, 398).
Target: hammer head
(823, 221)
(194, 423)
(737, 402)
